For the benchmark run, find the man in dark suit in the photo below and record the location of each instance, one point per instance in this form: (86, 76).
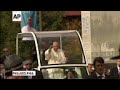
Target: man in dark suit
(99, 69)
(6, 54)
(27, 65)
(115, 72)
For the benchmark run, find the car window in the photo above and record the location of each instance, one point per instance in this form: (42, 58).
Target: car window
(70, 46)
(65, 73)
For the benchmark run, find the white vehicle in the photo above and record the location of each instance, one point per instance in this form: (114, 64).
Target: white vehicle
(70, 42)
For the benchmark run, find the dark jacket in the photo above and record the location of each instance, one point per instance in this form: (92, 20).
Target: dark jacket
(39, 75)
(114, 73)
(44, 62)
(94, 76)
(2, 59)
(1, 77)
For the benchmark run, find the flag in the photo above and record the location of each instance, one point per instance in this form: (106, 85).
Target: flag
(33, 15)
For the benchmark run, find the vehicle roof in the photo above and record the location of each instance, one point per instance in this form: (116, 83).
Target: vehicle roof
(49, 33)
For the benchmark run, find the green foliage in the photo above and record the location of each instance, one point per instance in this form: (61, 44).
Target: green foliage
(8, 30)
(71, 23)
(25, 49)
(51, 20)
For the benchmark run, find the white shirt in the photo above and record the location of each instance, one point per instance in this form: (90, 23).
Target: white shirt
(103, 75)
(118, 69)
(27, 29)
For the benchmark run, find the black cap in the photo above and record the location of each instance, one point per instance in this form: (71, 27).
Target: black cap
(116, 57)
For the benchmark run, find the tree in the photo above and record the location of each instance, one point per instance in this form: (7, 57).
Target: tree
(8, 30)
(51, 20)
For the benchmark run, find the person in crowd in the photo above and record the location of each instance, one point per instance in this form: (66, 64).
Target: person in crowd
(90, 69)
(99, 67)
(71, 75)
(29, 26)
(2, 71)
(55, 55)
(115, 71)
(27, 66)
(10, 59)
(107, 70)
(44, 47)
(6, 53)
(9, 74)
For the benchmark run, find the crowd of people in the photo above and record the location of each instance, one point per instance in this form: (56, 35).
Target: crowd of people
(100, 71)
(10, 62)
(54, 55)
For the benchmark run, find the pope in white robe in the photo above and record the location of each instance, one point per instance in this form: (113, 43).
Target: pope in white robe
(54, 55)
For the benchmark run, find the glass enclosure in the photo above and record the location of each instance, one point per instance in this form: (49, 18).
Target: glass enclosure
(69, 43)
(65, 73)
(34, 45)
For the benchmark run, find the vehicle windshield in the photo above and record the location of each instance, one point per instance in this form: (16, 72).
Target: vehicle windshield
(65, 73)
(35, 45)
(69, 42)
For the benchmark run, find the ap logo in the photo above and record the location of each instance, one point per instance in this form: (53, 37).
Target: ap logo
(16, 15)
